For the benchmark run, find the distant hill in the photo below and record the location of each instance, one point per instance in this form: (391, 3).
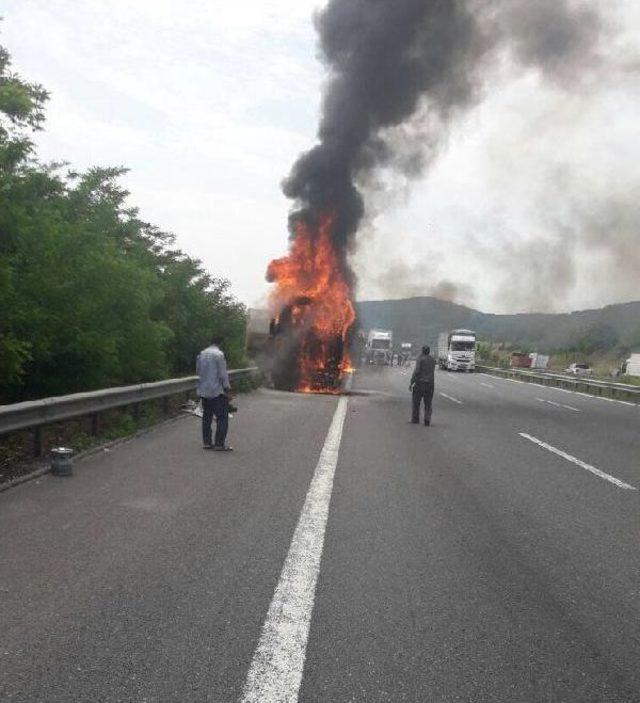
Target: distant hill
(420, 320)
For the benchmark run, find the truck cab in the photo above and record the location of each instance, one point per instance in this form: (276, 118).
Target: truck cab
(380, 347)
(457, 350)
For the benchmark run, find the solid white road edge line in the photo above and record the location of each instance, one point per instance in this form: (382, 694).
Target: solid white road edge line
(486, 385)
(578, 462)
(276, 669)
(594, 397)
(453, 400)
(564, 390)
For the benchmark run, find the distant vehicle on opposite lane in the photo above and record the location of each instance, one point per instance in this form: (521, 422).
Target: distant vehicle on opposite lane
(520, 360)
(632, 365)
(579, 369)
(539, 361)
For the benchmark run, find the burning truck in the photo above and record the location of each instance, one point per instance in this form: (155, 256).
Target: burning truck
(398, 73)
(315, 315)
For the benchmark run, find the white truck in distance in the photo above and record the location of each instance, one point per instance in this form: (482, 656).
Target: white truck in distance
(632, 365)
(379, 347)
(457, 350)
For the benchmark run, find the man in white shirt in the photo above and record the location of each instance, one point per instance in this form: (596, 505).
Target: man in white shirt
(215, 391)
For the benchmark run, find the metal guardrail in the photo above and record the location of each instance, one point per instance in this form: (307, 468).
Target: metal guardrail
(37, 413)
(581, 385)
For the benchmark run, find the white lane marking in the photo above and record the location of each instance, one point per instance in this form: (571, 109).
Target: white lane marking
(565, 390)
(542, 400)
(512, 380)
(275, 674)
(453, 400)
(593, 397)
(486, 385)
(578, 462)
(559, 405)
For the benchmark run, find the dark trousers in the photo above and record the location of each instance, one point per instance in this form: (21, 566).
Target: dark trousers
(422, 392)
(218, 407)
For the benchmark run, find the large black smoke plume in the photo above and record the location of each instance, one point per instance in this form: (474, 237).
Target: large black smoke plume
(382, 56)
(400, 70)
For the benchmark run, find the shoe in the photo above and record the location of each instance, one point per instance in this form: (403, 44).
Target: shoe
(427, 423)
(207, 446)
(414, 422)
(223, 448)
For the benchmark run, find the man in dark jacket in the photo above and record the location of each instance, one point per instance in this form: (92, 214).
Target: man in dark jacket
(422, 385)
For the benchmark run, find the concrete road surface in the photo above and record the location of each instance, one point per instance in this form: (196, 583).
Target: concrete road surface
(339, 554)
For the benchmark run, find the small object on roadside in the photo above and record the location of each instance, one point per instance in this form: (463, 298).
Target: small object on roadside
(232, 408)
(192, 408)
(579, 369)
(224, 448)
(62, 461)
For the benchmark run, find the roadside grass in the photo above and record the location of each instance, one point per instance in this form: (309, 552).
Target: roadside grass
(631, 380)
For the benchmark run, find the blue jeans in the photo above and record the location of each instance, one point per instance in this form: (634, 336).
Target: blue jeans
(218, 407)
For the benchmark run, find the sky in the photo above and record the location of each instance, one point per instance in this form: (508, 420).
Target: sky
(532, 203)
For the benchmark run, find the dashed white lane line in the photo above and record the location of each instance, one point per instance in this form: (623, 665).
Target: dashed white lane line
(578, 462)
(275, 674)
(453, 400)
(559, 405)
(502, 378)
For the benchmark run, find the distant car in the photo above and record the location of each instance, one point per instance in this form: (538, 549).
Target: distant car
(579, 369)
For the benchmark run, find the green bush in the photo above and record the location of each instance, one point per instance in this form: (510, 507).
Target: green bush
(91, 296)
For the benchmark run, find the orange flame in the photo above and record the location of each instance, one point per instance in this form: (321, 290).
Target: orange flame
(310, 282)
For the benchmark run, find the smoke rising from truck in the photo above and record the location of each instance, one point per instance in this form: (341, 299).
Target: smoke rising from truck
(398, 74)
(392, 64)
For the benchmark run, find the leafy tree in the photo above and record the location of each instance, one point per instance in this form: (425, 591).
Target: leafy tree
(597, 337)
(21, 110)
(195, 305)
(90, 294)
(631, 342)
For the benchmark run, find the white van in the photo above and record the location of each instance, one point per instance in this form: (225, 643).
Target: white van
(579, 369)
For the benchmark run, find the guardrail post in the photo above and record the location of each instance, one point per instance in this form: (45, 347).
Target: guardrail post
(136, 411)
(95, 424)
(165, 405)
(37, 441)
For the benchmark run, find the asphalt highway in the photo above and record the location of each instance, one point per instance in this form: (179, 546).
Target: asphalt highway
(338, 554)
